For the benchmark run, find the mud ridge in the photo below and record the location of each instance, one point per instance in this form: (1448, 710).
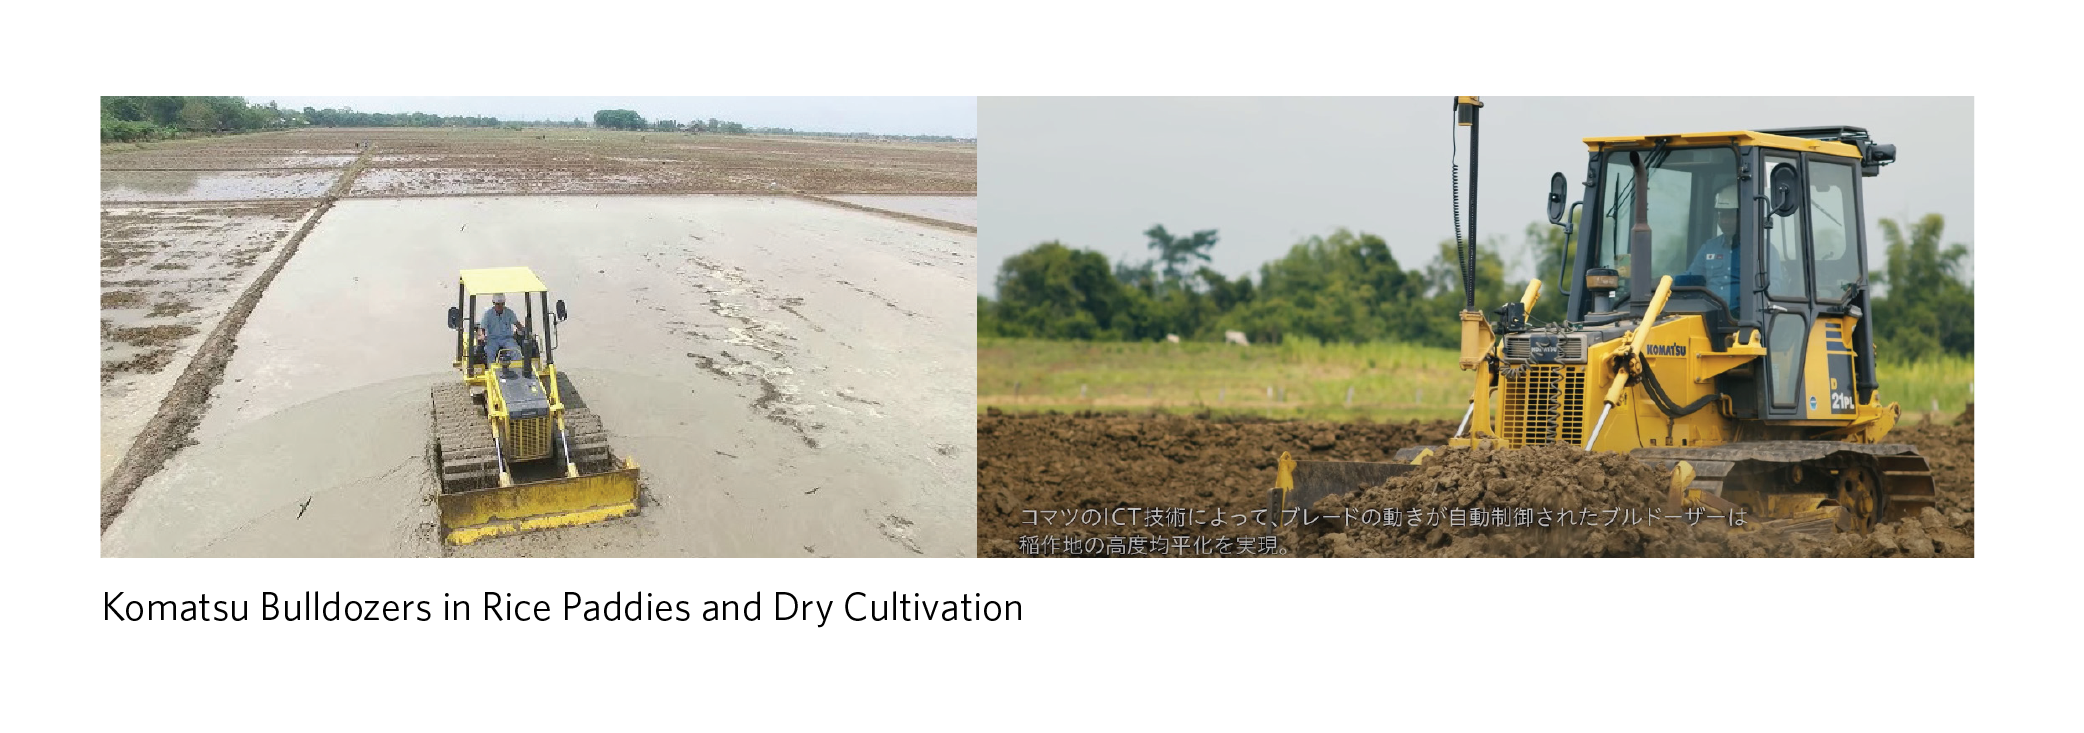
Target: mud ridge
(171, 426)
(899, 215)
(777, 401)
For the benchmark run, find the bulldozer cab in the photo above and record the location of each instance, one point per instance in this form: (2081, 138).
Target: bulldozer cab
(1760, 232)
(536, 333)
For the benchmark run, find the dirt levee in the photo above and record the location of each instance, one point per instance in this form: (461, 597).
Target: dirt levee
(1465, 504)
(955, 209)
(169, 274)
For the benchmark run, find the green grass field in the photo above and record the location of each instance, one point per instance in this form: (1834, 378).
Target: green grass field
(1304, 380)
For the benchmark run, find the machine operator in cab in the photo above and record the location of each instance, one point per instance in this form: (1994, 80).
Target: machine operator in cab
(1716, 261)
(501, 330)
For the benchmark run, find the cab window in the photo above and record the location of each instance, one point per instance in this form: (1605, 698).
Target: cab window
(1683, 186)
(1833, 214)
(1787, 272)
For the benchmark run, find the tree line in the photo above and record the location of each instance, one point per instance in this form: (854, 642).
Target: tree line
(351, 118)
(1348, 287)
(865, 135)
(135, 119)
(132, 119)
(624, 119)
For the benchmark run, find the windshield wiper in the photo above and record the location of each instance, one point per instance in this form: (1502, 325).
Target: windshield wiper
(1657, 156)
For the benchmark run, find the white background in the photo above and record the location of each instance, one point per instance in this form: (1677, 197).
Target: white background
(1937, 645)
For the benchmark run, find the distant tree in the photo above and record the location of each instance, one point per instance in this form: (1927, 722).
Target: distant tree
(1345, 287)
(1141, 276)
(165, 111)
(197, 115)
(1180, 254)
(667, 126)
(128, 109)
(1054, 291)
(619, 119)
(1927, 309)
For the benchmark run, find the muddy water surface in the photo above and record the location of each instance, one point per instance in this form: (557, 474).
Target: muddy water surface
(796, 379)
(161, 185)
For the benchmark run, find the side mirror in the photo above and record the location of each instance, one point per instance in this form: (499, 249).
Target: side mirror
(560, 311)
(455, 317)
(1556, 205)
(1786, 196)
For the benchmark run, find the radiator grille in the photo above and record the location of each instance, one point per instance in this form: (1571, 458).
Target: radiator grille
(1542, 403)
(528, 438)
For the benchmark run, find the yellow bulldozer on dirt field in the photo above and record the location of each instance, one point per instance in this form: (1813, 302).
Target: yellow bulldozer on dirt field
(518, 451)
(1719, 326)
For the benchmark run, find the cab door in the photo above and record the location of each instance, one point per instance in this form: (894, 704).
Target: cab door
(1788, 306)
(1837, 267)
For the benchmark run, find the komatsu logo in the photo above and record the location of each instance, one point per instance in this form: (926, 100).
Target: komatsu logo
(1662, 350)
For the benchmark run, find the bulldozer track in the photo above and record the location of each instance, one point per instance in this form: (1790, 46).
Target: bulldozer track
(1906, 483)
(463, 446)
(589, 441)
(464, 449)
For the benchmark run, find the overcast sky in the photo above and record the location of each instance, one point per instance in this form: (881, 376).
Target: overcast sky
(951, 116)
(1266, 172)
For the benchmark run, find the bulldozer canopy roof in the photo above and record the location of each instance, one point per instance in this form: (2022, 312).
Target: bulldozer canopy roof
(1736, 137)
(502, 280)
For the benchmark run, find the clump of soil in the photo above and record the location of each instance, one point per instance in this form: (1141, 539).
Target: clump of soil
(165, 309)
(151, 335)
(114, 299)
(149, 362)
(118, 256)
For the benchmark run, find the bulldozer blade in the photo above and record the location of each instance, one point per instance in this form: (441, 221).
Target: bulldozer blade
(470, 516)
(1318, 479)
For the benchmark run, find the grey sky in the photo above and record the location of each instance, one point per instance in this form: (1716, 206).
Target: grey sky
(1266, 172)
(951, 116)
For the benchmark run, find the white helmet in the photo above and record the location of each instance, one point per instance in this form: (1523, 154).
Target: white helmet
(1727, 197)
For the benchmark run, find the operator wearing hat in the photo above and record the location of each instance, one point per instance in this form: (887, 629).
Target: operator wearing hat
(1716, 261)
(500, 329)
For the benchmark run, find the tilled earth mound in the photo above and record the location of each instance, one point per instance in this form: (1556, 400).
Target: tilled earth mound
(1056, 462)
(1951, 451)
(1069, 464)
(1577, 504)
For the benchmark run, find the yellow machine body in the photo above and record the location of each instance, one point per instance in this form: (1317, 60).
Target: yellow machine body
(1757, 389)
(1516, 413)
